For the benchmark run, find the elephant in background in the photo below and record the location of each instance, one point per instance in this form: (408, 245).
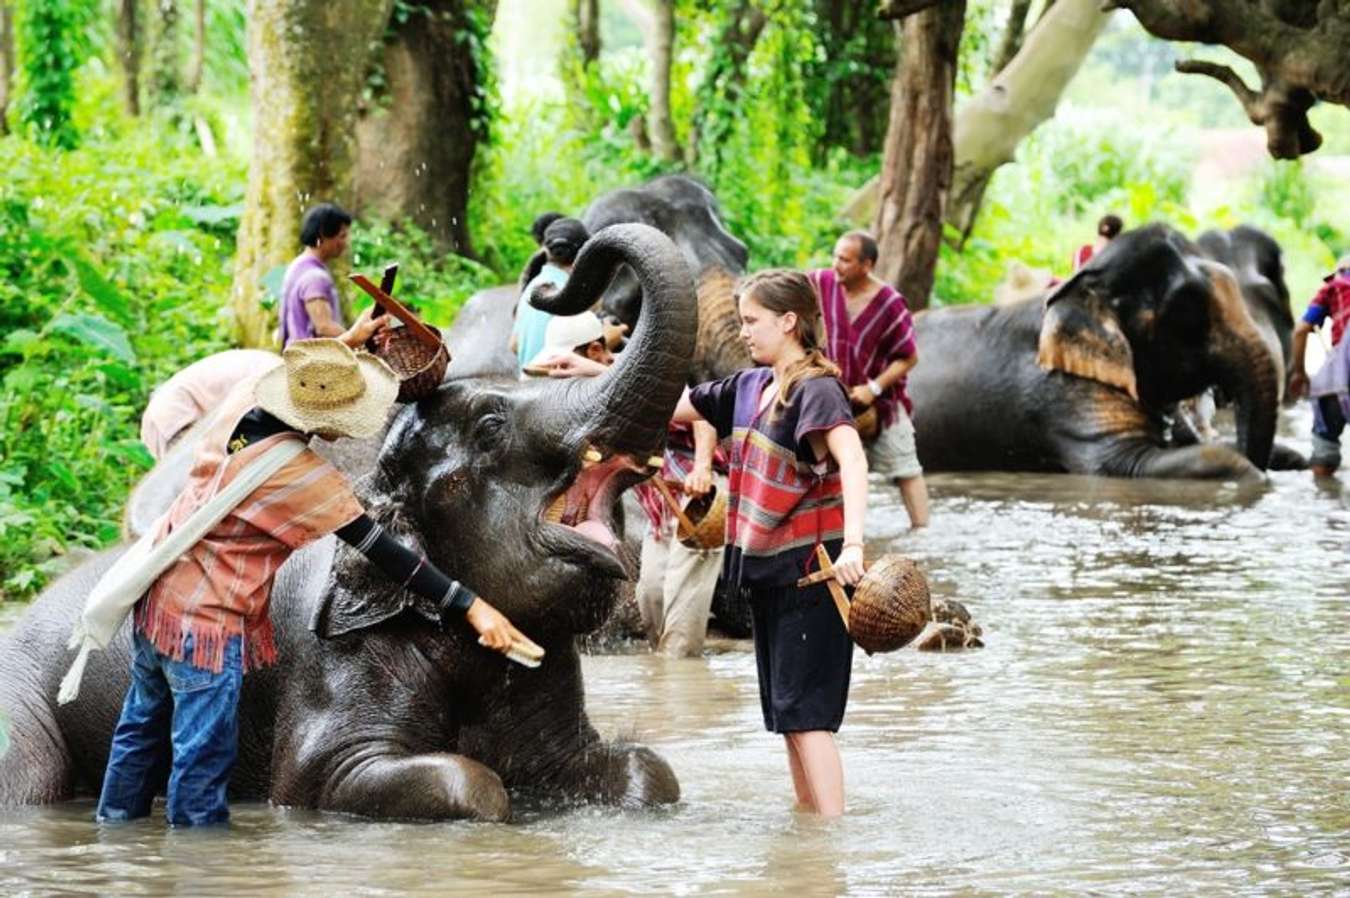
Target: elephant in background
(1079, 381)
(686, 212)
(374, 709)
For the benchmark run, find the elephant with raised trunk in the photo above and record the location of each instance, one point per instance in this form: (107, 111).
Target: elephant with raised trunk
(1079, 381)
(374, 709)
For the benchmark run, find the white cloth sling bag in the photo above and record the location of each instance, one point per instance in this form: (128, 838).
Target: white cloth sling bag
(132, 575)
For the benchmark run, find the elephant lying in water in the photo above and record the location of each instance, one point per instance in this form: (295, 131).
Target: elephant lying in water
(1079, 382)
(382, 713)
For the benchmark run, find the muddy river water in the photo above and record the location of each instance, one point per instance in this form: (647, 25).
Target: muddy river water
(1163, 706)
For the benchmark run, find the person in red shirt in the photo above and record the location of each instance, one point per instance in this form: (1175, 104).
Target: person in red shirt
(1108, 228)
(1329, 389)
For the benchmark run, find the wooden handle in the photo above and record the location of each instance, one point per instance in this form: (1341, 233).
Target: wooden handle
(823, 575)
(836, 591)
(397, 309)
(674, 504)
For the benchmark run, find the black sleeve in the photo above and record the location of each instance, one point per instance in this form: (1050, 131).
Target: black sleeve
(401, 565)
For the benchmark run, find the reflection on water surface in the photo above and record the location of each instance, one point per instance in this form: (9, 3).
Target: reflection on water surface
(1162, 706)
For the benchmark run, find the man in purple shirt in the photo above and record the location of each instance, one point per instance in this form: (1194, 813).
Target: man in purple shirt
(309, 300)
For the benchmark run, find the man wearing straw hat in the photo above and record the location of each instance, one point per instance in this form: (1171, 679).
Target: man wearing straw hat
(205, 620)
(1329, 388)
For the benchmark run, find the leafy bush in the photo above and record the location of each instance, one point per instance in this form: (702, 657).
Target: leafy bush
(114, 264)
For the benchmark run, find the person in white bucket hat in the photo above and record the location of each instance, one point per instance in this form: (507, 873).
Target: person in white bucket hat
(205, 621)
(573, 345)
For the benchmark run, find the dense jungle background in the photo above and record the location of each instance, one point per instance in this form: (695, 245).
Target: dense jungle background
(150, 200)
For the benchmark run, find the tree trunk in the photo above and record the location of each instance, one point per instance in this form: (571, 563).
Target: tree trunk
(416, 148)
(917, 168)
(659, 123)
(198, 63)
(307, 61)
(1012, 35)
(129, 54)
(1022, 96)
(6, 60)
(166, 81)
(587, 14)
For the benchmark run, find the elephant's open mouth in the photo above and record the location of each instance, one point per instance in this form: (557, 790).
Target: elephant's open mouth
(579, 519)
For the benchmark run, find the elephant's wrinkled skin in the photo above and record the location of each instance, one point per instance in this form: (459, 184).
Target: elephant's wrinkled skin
(1077, 382)
(388, 716)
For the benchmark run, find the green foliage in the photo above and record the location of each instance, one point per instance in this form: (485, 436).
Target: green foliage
(49, 38)
(114, 265)
(1069, 173)
(1286, 192)
(433, 282)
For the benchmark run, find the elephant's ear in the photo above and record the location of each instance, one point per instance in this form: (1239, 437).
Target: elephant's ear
(1080, 335)
(359, 595)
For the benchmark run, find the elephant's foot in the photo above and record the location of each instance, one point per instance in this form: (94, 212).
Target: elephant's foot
(439, 786)
(625, 775)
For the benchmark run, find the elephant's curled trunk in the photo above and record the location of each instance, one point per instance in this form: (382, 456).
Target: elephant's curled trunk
(628, 407)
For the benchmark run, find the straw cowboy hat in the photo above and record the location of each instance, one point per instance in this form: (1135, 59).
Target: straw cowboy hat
(325, 387)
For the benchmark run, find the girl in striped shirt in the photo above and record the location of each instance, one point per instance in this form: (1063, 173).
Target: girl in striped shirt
(797, 478)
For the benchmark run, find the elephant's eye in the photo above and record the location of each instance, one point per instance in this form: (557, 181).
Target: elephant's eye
(488, 431)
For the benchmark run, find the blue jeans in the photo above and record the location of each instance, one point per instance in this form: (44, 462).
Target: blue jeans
(178, 722)
(1328, 424)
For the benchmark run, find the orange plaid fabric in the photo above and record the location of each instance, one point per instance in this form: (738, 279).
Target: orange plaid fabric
(222, 586)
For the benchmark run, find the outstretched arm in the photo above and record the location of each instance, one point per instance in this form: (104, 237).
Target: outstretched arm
(453, 598)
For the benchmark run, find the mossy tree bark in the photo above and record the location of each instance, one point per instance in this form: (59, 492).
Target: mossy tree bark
(307, 60)
(917, 168)
(129, 53)
(416, 147)
(660, 125)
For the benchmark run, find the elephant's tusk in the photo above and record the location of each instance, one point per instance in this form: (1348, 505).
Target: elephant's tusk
(592, 455)
(656, 461)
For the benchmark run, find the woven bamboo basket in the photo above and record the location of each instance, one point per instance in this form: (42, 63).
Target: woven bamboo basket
(708, 514)
(420, 367)
(866, 422)
(890, 606)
